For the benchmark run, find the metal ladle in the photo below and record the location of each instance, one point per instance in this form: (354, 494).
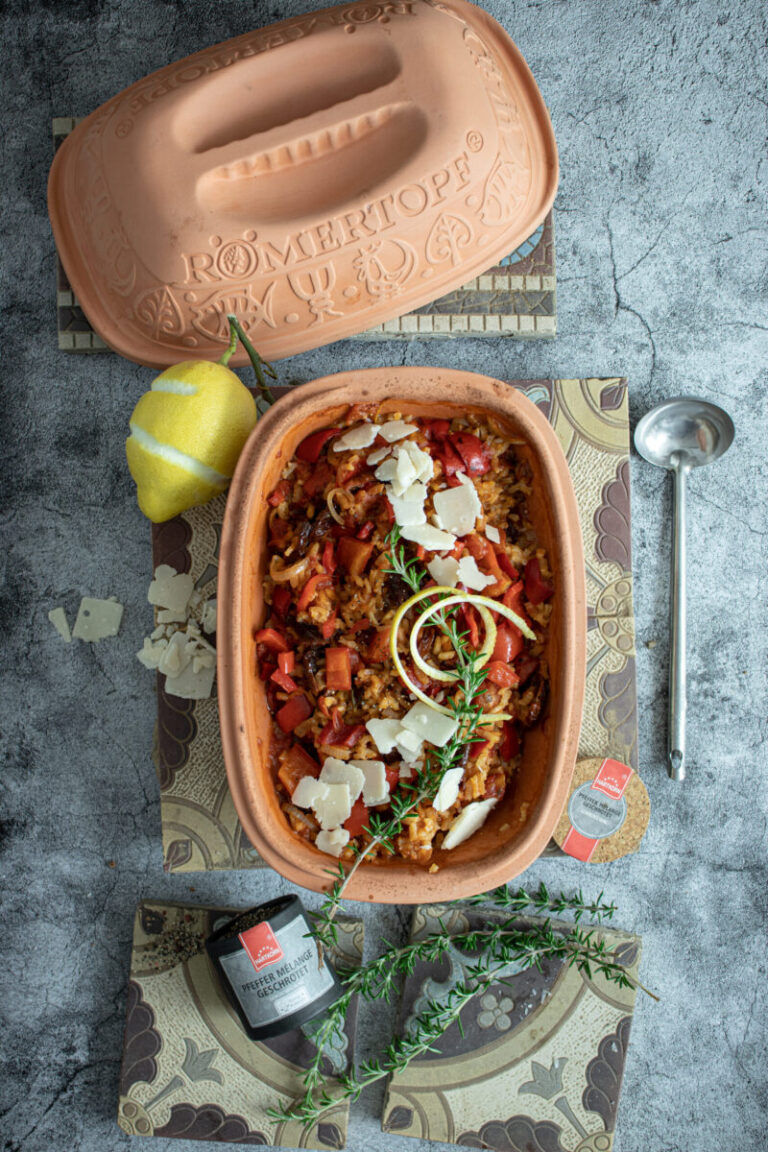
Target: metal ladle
(680, 435)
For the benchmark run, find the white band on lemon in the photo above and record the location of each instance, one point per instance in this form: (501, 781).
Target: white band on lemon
(180, 459)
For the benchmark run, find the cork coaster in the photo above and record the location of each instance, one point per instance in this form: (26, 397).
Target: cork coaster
(607, 812)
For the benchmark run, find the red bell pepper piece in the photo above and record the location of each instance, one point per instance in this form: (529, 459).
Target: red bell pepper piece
(450, 459)
(328, 627)
(476, 748)
(349, 469)
(311, 447)
(286, 662)
(272, 639)
(378, 649)
(295, 710)
(502, 675)
(506, 564)
(513, 598)
(525, 666)
(359, 625)
(311, 588)
(329, 558)
(510, 742)
(341, 735)
(470, 619)
(483, 552)
(389, 512)
(358, 818)
(537, 590)
(295, 764)
(279, 493)
(265, 668)
(366, 531)
(281, 600)
(509, 643)
(437, 429)
(421, 552)
(284, 681)
(338, 670)
(354, 554)
(474, 455)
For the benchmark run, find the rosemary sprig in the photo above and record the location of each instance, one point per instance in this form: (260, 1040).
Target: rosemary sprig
(507, 943)
(408, 570)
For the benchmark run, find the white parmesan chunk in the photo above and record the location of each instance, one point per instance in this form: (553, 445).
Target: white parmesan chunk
(377, 456)
(405, 474)
(410, 740)
(387, 471)
(171, 589)
(375, 788)
(471, 576)
(167, 616)
(334, 807)
(407, 769)
(409, 753)
(208, 618)
(493, 534)
(467, 822)
(409, 508)
(361, 436)
(308, 791)
(177, 655)
(152, 652)
(396, 430)
(430, 725)
(430, 538)
(340, 772)
(97, 619)
(58, 618)
(448, 792)
(332, 842)
(384, 734)
(445, 571)
(191, 683)
(457, 509)
(421, 460)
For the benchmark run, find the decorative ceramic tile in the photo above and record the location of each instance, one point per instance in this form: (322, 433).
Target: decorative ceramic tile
(514, 298)
(189, 1069)
(200, 827)
(537, 1064)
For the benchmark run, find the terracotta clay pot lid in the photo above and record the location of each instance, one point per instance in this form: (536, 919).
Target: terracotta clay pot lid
(518, 829)
(317, 177)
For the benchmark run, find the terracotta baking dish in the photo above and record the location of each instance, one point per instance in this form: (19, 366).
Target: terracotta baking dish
(519, 828)
(317, 177)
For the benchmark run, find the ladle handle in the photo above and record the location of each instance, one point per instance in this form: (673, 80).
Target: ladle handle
(677, 668)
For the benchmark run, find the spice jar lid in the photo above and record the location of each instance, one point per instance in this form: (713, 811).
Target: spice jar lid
(316, 177)
(272, 971)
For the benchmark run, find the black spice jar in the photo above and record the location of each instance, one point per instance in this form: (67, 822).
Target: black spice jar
(270, 968)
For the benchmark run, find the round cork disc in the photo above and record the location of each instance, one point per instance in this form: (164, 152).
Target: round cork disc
(626, 839)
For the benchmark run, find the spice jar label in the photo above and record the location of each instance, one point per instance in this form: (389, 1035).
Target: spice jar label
(262, 946)
(597, 809)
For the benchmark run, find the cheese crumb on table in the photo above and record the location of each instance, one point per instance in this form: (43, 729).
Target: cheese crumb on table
(97, 619)
(58, 618)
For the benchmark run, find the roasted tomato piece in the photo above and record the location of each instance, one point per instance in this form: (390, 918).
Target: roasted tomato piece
(358, 818)
(509, 643)
(311, 447)
(295, 764)
(537, 590)
(474, 454)
(502, 675)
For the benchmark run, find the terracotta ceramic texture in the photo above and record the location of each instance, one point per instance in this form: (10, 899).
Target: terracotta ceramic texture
(317, 177)
(518, 830)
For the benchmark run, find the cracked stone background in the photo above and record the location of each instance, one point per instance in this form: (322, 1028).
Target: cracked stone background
(660, 112)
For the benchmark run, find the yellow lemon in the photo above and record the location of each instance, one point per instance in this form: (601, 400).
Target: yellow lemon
(187, 433)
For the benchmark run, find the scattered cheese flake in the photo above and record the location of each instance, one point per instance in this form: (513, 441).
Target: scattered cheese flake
(406, 738)
(457, 509)
(375, 788)
(208, 619)
(448, 792)
(339, 772)
(334, 807)
(377, 456)
(405, 474)
(167, 616)
(191, 683)
(171, 589)
(332, 842)
(58, 618)
(421, 460)
(361, 436)
(384, 734)
(407, 769)
(151, 653)
(471, 576)
(430, 538)
(492, 534)
(409, 753)
(467, 822)
(176, 656)
(158, 633)
(396, 430)
(445, 571)
(97, 619)
(409, 508)
(388, 470)
(308, 791)
(430, 725)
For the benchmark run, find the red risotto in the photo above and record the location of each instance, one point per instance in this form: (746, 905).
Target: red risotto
(361, 683)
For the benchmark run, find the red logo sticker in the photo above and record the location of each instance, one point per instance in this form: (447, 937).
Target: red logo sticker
(262, 946)
(612, 778)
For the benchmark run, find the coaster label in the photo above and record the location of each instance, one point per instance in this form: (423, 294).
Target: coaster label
(597, 809)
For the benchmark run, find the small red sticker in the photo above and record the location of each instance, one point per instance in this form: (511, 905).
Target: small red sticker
(262, 946)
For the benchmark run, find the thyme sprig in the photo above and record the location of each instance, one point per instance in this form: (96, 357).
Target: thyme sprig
(468, 713)
(542, 902)
(510, 942)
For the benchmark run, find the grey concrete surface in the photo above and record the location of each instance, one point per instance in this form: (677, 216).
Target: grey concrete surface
(660, 111)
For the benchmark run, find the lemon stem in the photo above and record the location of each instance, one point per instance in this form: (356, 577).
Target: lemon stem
(260, 367)
(232, 344)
